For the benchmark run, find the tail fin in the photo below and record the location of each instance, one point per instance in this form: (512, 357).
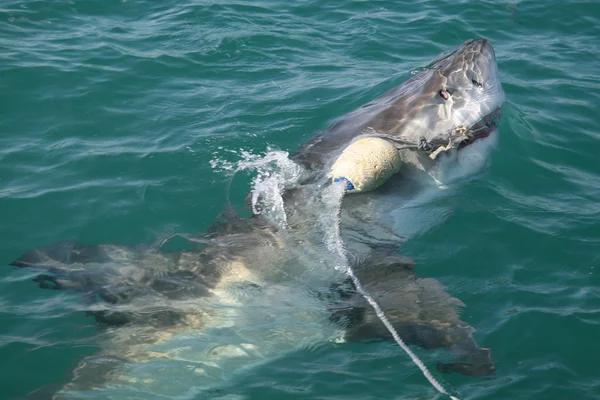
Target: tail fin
(58, 255)
(67, 265)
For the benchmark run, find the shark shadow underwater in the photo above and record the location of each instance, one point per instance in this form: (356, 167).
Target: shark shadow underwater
(184, 323)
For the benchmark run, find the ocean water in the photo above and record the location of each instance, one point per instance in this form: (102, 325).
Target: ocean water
(113, 115)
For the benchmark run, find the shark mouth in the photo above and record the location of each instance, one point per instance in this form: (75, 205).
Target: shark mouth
(483, 128)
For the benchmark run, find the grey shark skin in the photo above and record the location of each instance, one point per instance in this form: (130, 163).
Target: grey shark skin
(180, 323)
(458, 90)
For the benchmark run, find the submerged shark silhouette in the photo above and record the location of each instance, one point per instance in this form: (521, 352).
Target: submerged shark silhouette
(179, 323)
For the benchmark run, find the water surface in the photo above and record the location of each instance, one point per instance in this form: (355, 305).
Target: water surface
(112, 111)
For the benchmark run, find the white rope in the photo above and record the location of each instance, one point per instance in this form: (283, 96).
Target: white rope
(339, 248)
(397, 338)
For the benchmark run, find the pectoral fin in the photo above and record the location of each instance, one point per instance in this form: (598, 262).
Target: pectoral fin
(419, 309)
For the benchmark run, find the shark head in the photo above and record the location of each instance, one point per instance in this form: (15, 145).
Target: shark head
(455, 100)
(458, 94)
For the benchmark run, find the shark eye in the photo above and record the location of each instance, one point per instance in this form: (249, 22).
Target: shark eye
(444, 94)
(476, 83)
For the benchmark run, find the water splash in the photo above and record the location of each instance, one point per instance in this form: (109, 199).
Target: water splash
(276, 173)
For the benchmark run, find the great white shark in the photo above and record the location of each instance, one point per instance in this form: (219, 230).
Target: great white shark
(182, 323)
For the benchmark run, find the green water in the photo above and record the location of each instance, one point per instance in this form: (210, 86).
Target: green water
(111, 111)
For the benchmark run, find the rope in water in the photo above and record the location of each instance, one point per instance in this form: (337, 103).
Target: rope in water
(397, 338)
(339, 248)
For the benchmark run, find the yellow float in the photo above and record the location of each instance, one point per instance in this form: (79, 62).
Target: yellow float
(366, 164)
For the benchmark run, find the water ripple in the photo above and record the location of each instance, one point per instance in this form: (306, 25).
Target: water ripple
(113, 110)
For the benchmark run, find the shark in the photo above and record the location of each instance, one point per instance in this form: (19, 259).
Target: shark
(185, 322)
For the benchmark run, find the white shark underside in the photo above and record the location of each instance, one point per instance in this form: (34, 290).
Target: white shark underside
(176, 324)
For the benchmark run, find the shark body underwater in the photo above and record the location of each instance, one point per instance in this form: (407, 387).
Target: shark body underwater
(181, 324)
